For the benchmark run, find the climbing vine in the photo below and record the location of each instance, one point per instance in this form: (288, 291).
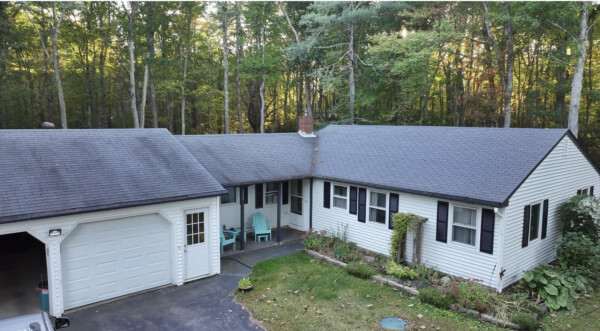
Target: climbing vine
(402, 223)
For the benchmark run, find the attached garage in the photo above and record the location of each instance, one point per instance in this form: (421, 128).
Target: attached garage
(118, 211)
(104, 260)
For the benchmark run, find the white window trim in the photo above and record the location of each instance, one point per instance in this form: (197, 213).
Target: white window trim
(386, 209)
(346, 197)
(541, 216)
(266, 193)
(586, 188)
(477, 225)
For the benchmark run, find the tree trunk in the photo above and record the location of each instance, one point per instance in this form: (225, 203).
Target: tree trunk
(144, 91)
(185, 61)
(351, 83)
(510, 65)
(225, 67)
(61, 98)
(153, 106)
(238, 56)
(131, 33)
(576, 86)
(262, 84)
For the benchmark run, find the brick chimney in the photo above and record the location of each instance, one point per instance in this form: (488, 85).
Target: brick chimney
(305, 126)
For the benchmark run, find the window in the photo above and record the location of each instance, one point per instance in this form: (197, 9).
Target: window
(377, 207)
(228, 197)
(195, 228)
(588, 190)
(340, 196)
(534, 221)
(296, 196)
(271, 193)
(464, 225)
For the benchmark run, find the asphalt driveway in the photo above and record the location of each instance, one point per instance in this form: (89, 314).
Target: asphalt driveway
(205, 304)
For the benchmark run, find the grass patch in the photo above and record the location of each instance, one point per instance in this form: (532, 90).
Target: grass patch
(584, 316)
(296, 292)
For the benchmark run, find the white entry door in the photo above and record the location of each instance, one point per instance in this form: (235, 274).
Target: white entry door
(196, 245)
(108, 259)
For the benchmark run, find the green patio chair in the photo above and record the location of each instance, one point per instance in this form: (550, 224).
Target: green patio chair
(262, 228)
(227, 237)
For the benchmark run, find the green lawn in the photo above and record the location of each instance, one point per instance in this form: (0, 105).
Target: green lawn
(585, 316)
(295, 292)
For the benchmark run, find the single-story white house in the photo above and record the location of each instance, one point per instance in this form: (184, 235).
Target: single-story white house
(121, 211)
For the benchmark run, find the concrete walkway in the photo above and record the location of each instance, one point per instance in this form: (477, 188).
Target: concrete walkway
(206, 304)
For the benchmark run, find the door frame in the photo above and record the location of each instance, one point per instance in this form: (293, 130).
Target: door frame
(207, 241)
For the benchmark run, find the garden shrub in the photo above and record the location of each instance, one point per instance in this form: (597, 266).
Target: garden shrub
(471, 295)
(429, 274)
(400, 271)
(526, 321)
(548, 284)
(578, 255)
(341, 253)
(360, 270)
(314, 240)
(436, 298)
(581, 214)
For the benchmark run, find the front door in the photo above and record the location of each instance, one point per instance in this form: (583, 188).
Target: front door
(297, 205)
(196, 244)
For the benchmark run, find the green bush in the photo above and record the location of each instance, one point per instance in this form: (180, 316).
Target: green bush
(400, 271)
(402, 223)
(581, 214)
(360, 270)
(578, 255)
(471, 295)
(436, 298)
(314, 241)
(341, 253)
(526, 321)
(549, 284)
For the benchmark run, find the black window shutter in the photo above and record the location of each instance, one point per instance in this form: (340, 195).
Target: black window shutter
(525, 240)
(285, 193)
(326, 194)
(488, 218)
(362, 204)
(245, 195)
(578, 192)
(258, 196)
(441, 233)
(393, 209)
(591, 190)
(545, 219)
(353, 199)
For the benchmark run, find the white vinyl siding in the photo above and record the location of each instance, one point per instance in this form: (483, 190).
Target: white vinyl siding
(564, 171)
(453, 258)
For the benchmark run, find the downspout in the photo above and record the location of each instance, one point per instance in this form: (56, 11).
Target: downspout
(310, 210)
(500, 262)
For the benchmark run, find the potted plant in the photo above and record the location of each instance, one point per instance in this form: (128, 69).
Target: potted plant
(244, 284)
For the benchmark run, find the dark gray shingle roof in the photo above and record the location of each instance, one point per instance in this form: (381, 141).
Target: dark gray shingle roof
(240, 159)
(480, 165)
(47, 173)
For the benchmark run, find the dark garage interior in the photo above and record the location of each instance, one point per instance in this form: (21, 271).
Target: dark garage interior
(22, 267)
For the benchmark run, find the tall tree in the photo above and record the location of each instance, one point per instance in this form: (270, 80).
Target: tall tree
(130, 45)
(224, 24)
(576, 85)
(505, 58)
(238, 56)
(187, 9)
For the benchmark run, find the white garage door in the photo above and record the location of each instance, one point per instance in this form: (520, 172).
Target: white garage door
(104, 260)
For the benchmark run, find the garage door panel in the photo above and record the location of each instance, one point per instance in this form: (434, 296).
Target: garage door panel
(104, 260)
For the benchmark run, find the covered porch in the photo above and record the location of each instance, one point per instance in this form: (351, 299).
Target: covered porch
(287, 234)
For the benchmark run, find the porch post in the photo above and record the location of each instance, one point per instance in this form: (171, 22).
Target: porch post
(310, 210)
(279, 198)
(242, 227)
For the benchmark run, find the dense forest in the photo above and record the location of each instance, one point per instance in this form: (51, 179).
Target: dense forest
(228, 67)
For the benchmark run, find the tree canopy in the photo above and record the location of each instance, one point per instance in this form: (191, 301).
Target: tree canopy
(389, 63)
